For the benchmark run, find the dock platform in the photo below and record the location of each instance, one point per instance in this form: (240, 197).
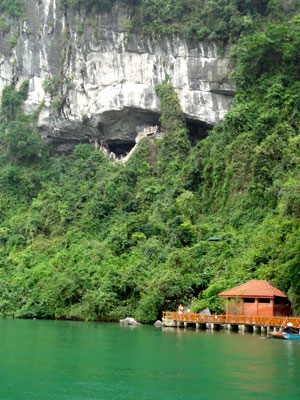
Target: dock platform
(230, 322)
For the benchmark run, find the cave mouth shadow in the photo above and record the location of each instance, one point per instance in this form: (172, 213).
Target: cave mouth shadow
(120, 148)
(119, 129)
(198, 130)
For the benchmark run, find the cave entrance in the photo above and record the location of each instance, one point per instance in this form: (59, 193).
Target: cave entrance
(198, 130)
(119, 129)
(120, 148)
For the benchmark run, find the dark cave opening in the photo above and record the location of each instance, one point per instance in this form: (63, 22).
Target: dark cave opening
(198, 130)
(118, 130)
(129, 124)
(120, 148)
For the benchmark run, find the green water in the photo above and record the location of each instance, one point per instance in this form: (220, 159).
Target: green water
(84, 361)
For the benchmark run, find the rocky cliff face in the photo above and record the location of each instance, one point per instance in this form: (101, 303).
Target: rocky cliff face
(97, 81)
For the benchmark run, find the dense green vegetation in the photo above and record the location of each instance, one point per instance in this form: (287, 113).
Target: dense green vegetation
(13, 8)
(218, 20)
(84, 237)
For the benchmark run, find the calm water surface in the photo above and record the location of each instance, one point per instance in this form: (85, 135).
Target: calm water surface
(49, 360)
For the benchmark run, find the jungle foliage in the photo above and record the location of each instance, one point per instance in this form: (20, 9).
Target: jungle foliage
(13, 8)
(221, 21)
(217, 20)
(83, 237)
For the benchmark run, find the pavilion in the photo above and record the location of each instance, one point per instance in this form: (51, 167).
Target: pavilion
(256, 298)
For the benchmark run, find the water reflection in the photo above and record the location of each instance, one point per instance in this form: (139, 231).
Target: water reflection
(253, 365)
(48, 360)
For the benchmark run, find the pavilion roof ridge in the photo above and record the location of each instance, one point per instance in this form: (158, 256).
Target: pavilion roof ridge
(269, 286)
(254, 288)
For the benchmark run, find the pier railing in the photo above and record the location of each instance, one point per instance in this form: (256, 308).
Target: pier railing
(231, 319)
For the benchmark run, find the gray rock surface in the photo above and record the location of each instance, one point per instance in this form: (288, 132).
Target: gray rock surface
(105, 77)
(129, 321)
(206, 311)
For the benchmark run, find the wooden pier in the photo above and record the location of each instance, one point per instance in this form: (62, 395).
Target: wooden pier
(231, 322)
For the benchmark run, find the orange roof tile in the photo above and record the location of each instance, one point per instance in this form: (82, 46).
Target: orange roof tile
(254, 288)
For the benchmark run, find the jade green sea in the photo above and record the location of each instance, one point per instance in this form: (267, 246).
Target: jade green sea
(48, 360)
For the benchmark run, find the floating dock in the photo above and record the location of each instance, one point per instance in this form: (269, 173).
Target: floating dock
(230, 322)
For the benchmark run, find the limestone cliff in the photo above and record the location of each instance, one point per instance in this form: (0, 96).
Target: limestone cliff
(98, 81)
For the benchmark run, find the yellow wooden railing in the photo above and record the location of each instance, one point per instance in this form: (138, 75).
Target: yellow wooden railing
(231, 319)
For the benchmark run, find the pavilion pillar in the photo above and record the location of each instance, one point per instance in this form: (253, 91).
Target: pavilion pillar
(242, 312)
(227, 312)
(272, 306)
(256, 303)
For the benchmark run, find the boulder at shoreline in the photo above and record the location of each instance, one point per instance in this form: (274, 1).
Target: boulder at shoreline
(129, 321)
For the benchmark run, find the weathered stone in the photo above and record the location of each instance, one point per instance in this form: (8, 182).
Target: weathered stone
(206, 311)
(129, 321)
(288, 5)
(107, 77)
(169, 322)
(158, 323)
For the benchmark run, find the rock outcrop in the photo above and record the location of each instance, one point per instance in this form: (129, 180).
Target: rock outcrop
(129, 321)
(97, 81)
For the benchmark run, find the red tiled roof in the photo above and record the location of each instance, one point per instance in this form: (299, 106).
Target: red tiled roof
(254, 289)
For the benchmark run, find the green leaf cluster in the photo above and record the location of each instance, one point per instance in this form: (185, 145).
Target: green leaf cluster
(13, 8)
(21, 144)
(218, 20)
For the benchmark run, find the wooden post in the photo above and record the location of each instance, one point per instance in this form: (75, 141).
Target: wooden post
(227, 312)
(256, 301)
(272, 306)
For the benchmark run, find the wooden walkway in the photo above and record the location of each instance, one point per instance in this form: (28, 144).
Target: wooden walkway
(191, 318)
